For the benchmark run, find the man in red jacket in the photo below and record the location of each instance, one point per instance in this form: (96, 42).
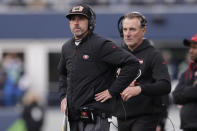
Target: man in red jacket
(185, 93)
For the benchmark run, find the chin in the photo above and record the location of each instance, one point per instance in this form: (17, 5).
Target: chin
(130, 44)
(78, 35)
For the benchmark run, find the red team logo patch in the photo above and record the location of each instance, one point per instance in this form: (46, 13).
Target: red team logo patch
(85, 57)
(84, 114)
(140, 61)
(77, 9)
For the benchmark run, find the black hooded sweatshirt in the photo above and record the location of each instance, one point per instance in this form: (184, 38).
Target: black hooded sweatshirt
(154, 82)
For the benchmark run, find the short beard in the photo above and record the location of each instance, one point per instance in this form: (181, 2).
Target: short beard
(81, 35)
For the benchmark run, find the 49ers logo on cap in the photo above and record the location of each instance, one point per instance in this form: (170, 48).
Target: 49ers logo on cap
(77, 9)
(85, 57)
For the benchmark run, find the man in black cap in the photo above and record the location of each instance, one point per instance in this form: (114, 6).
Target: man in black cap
(87, 67)
(185, 93)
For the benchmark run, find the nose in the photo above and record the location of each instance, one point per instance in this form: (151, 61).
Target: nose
(128, 33)
(76, 22)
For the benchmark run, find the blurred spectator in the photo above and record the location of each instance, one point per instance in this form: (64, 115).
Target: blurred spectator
(2, 83)
(32, 116)
(18, 125)
(112, 2)
(13, 67)
(15, 2)
(29, 3)
(183, 65)
(185, 93)
(2, 77)
(38, 3)
(172, 68)
(33, 113)
(190, 1)
(142, 2)
(90, 2)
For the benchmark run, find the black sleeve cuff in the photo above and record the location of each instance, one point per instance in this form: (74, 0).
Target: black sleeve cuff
(142, 89)
(113, 93)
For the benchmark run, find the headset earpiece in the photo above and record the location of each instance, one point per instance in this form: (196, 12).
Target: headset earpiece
(92, 20)
(120, 28)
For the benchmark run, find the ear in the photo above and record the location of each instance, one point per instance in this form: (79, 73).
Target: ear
(144, 30)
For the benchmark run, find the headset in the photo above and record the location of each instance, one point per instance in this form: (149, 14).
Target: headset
(92, 20)
(138, 15)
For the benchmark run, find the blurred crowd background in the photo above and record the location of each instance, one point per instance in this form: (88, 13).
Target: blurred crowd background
(33, 31)
(62, 4)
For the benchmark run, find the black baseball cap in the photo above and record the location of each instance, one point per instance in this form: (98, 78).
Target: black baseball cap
(80, 9)
(193, 40)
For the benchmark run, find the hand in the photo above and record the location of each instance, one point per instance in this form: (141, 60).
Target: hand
(63, 105)
(179, 106)
(158, 128)
(195, 74)
(130, 91)
(103, 96)
(195, 82)
(132, 83)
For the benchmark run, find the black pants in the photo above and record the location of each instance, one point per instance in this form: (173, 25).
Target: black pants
(143, 123)
(100, 125)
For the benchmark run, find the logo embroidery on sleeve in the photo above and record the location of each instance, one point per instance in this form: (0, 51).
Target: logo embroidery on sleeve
(85, 57)
(140, 61)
